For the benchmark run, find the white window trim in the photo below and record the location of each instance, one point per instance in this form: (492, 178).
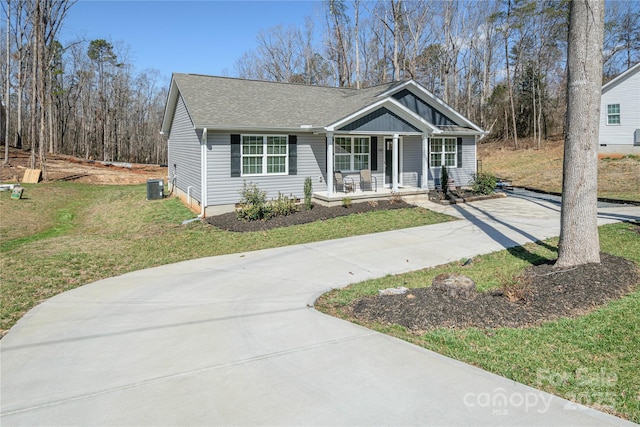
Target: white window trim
(389, 140)
(443, 152)
(264, 156)
(618, 114)
(352, 154)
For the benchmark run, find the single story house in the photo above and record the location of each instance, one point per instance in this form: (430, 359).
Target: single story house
(620, 115)
(224, 131)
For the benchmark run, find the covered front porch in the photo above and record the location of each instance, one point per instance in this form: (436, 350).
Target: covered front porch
(336, 197)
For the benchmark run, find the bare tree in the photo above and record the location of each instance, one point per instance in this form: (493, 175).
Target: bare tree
(337, 42)
(46, 19)
(509, 85)
(356, 7)
(579, 242)
(7, 105)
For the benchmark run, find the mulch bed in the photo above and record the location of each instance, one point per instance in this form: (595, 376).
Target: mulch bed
(229, 221)
(550, 294)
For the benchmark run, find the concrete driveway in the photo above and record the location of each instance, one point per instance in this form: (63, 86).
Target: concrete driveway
(232, 340)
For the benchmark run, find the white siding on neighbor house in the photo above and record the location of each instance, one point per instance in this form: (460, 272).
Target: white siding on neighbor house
(222, 189)
(462, 176)
(626, 93)
(184, 150)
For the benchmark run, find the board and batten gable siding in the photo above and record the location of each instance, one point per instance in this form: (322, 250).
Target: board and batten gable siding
(223, 189)
(422, 108)
(184, 151)
(380, 120)
(461, 175)
(627, 94)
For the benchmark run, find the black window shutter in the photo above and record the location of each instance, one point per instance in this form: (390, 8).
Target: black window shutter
(293, 154)
(374, 153)
(235, 156)
(459, 152)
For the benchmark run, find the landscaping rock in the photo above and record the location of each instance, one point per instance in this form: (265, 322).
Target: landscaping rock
(393, 291)
(455, 285)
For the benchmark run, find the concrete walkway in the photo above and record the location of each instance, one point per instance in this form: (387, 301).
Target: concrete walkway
(231, 340)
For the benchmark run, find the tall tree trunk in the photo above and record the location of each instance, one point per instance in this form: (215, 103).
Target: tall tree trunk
(42, 86)
(395, 9)
(357, 18)
(34, 100)
(510, 88)
(533, 92)
(7, 108)
(20, 94)
(579, 243)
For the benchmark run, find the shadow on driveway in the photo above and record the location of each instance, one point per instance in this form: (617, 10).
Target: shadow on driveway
(514, 248)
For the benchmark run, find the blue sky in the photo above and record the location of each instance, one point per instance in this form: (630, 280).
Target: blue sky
(205, 37)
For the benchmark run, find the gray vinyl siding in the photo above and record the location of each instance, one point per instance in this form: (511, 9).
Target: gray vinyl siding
(463, 175)
(411, 161)
(222, 189)
(184, 150)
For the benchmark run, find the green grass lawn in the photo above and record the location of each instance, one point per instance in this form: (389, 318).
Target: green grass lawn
(591, 359)
(64, 235)
(617, 178)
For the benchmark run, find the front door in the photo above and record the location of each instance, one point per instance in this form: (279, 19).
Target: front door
(388, 162)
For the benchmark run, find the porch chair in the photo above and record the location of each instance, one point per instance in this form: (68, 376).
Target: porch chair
(343, 184)
(367, 180)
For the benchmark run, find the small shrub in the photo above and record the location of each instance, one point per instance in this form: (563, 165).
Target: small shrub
(395, 198)
(252, 195)
(308, 191)
(252, 202)
(282, 206)
(254, 206)
(347, 202)
(444, 178)
(250, 212)
(483, 183)
(518, 289)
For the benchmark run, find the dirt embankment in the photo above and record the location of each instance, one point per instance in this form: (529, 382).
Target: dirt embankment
(68, 168)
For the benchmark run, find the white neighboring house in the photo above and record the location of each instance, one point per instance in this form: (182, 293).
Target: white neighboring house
(620, 115)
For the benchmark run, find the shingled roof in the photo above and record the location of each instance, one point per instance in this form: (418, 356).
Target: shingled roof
(230, 103)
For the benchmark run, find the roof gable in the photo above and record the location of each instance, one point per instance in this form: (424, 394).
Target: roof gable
(621, 78)
(442, 110)
(229, 103)
(380, 120)
(423, 109)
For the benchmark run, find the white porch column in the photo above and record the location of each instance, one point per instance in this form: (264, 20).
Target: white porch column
(394, 163)
(425, 161)
(329, 164)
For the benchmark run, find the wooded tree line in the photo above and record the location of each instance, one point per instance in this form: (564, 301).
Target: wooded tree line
(502, 63)
(83, 98)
